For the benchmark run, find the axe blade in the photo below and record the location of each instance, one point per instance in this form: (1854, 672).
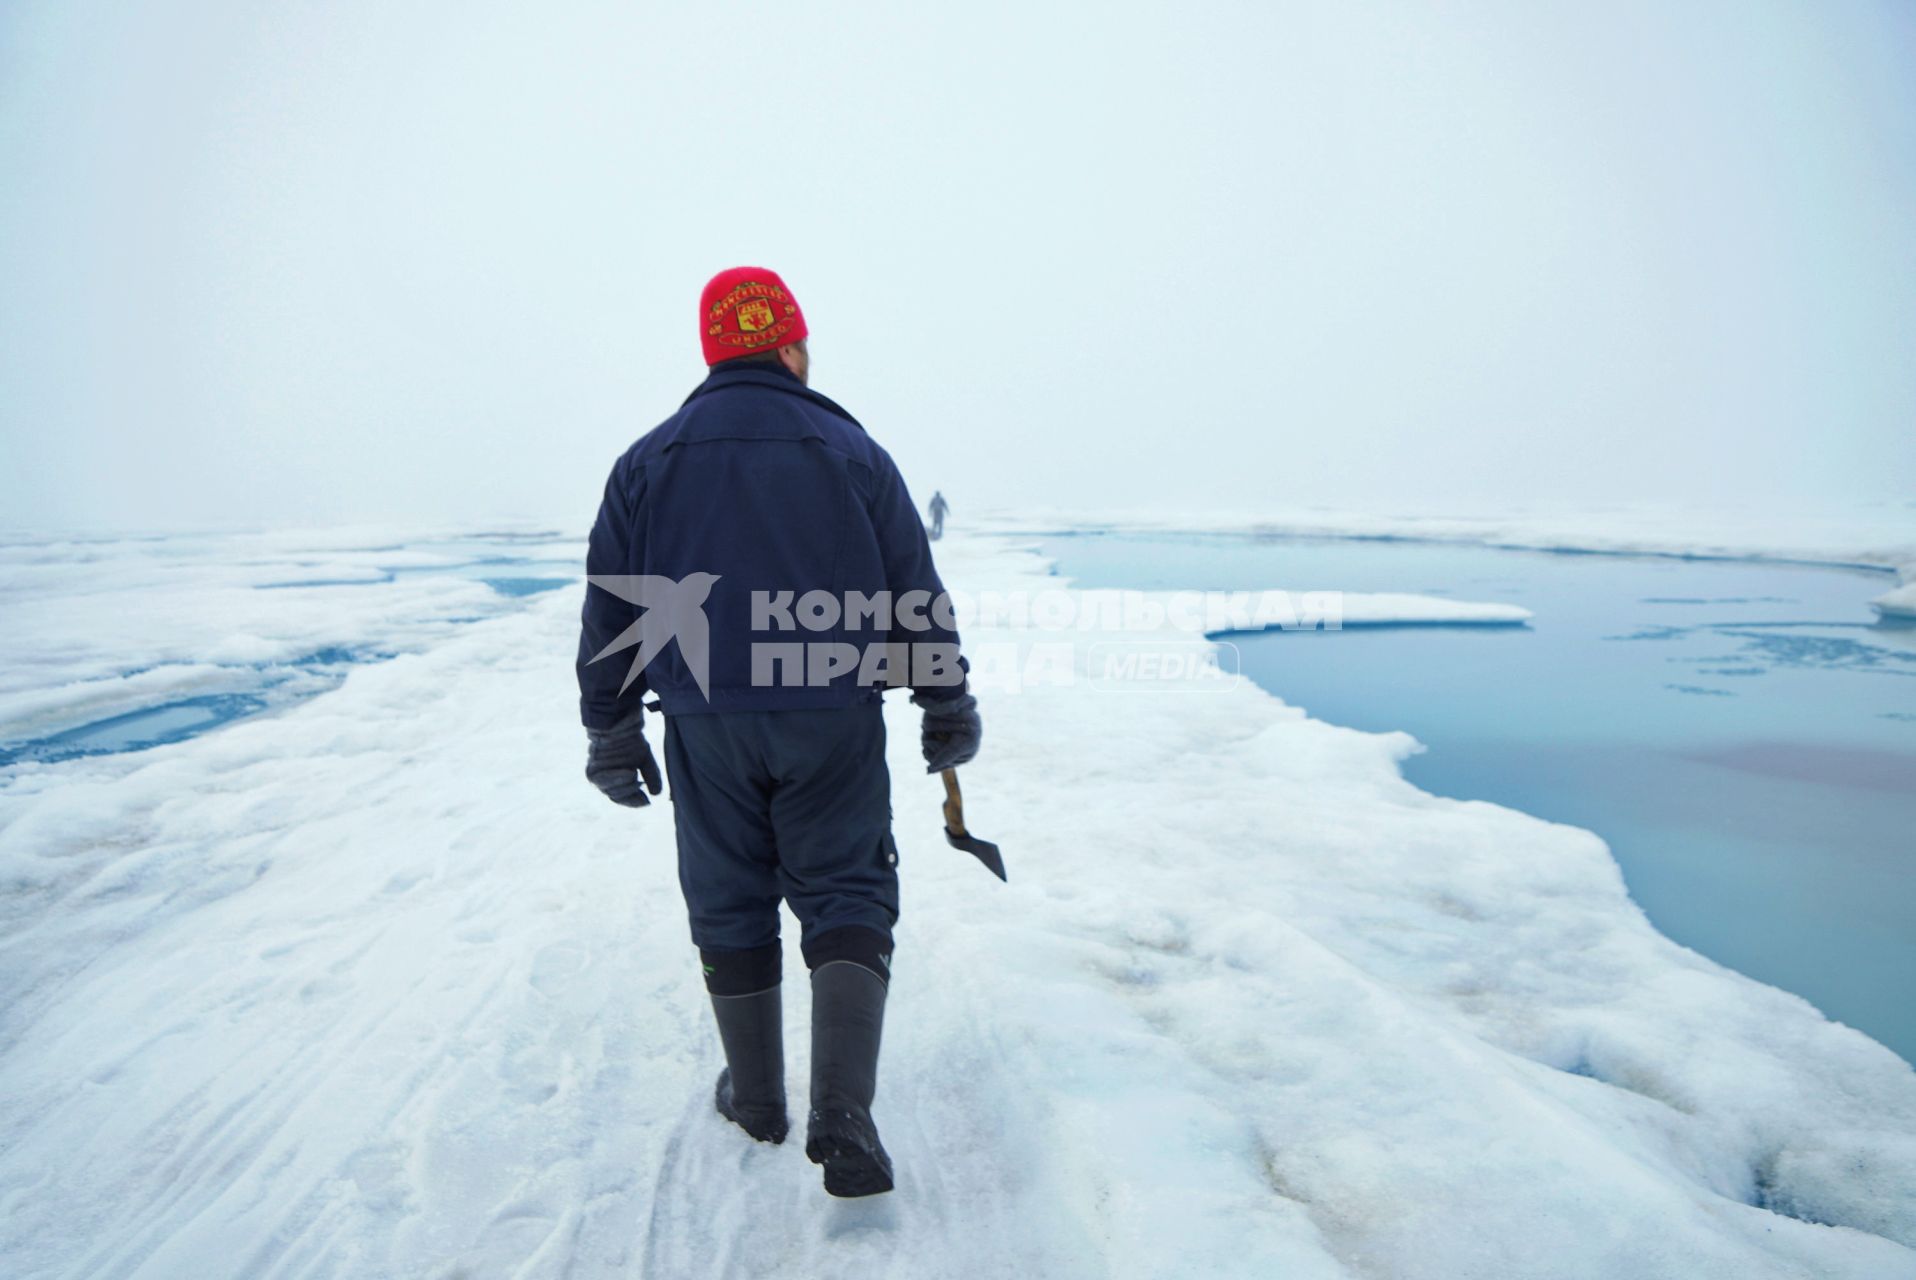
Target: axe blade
(983, 850)
(959, 838)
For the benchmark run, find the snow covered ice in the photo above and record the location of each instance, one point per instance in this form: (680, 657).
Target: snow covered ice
(1899, 603)
(374, 984)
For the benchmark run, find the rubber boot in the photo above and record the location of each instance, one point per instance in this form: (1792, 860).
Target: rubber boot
(751, 1088)
(848, 1018)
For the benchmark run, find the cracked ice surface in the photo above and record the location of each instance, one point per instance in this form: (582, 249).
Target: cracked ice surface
(377, 985)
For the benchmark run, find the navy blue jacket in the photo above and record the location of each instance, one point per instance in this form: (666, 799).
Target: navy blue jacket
(773, 488)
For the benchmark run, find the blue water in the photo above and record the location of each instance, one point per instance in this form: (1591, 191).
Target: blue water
(256, 687)
(526, 586)
(137, 730)
(500, 560)
(1743, 734)
(508, 575)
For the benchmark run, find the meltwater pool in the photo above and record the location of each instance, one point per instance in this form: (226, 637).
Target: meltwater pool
(1742, 733)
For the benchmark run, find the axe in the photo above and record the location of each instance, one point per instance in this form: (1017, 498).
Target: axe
(983, 850)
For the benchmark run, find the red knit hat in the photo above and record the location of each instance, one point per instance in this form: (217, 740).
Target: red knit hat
(747, 309)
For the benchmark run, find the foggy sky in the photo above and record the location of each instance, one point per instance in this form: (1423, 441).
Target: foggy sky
(296, 263)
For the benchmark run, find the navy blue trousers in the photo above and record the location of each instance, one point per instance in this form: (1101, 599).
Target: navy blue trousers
(792, 805)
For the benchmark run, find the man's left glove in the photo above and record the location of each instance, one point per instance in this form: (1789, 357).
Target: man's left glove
(618, 758)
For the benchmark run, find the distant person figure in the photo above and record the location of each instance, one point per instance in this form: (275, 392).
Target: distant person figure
(938, 508)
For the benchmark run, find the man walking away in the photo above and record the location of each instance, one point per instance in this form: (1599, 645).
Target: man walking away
(757, 493)
(938, 508)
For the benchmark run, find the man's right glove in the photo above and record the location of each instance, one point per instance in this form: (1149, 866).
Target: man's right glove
(951, 730)
(618, 758)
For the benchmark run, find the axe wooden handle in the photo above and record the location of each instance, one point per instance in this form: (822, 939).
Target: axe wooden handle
(954, 804)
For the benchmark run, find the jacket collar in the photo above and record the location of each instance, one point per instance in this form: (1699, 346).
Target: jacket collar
(731, 368)
(764, 374)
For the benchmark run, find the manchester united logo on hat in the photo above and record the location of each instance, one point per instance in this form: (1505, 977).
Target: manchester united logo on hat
(754, 316)
(748, 309)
